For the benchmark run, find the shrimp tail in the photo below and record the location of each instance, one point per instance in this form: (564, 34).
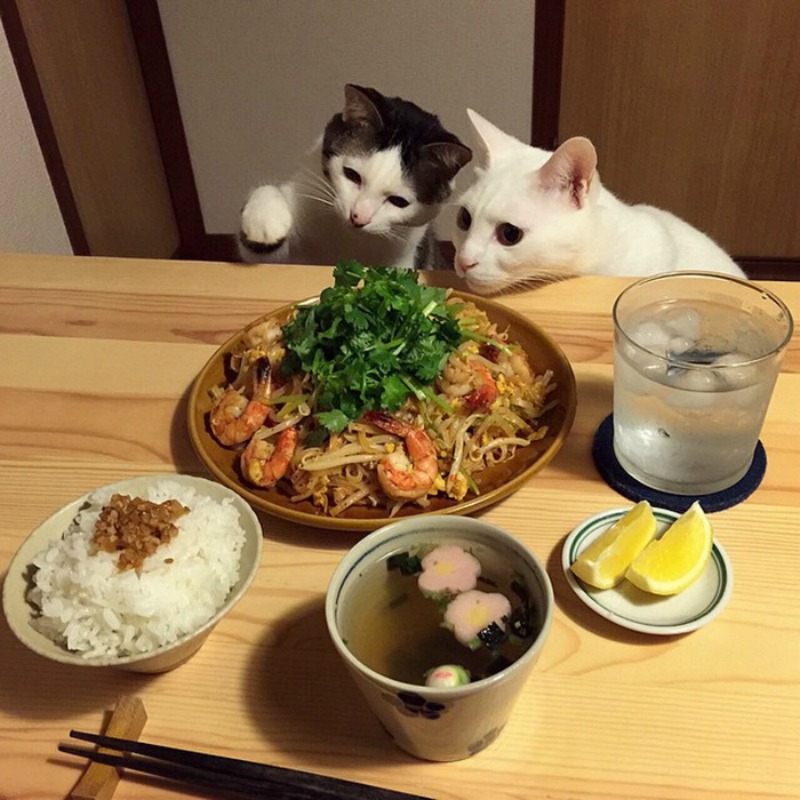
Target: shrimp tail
(386, 422)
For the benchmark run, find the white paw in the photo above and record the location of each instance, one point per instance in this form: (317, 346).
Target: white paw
(266, 217)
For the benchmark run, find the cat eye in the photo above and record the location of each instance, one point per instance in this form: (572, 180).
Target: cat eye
(464, 219)
(352, 175)
(508, 234)
(398, 201)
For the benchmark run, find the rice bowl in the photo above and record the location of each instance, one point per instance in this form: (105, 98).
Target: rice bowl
(79, 608)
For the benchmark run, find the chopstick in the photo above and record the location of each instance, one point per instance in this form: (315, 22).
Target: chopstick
(232, 775)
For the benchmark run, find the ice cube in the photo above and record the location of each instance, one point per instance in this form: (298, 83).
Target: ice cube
(652, 368)
(736, 372)
(652, 336)
(679, 344)
(695, 380)
(683, 322)
(696, 389)
(643, 364)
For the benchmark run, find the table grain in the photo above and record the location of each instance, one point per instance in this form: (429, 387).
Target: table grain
(97, 358)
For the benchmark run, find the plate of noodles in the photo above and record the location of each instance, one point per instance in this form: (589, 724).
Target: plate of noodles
(381, 399)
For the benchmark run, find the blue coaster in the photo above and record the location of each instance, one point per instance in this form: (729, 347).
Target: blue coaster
(615, 476)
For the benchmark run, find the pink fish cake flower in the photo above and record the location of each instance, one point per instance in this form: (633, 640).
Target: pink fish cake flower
(469, 613)
(448, 570)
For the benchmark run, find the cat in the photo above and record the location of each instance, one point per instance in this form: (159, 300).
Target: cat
(370, 190)
(534, 215)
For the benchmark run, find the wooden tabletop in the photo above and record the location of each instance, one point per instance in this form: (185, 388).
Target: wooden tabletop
(97, 357)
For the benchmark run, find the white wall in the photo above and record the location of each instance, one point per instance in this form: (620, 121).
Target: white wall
(257, 81)
(30, 220)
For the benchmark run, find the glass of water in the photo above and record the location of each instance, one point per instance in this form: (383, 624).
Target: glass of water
(696, 357)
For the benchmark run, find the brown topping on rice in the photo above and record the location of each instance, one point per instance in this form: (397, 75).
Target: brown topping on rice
(135, 528)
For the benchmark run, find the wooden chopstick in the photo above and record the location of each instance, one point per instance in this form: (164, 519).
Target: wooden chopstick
(232, 775)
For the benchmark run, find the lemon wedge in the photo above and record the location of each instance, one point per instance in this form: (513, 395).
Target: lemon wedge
(604, 562)
(677, 559)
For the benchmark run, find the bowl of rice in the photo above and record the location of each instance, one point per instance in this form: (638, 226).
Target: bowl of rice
(135, 574)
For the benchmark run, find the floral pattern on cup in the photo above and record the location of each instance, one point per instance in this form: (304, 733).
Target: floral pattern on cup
(415, 705)
(485, 740)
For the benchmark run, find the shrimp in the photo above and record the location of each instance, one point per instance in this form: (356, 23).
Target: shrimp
(235, 418)
(485, 393)
(471, 380)
(397, 481)
(266, 333)
(520, 368)
(264, 464)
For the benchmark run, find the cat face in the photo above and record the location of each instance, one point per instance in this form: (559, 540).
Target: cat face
(389, 162)
(373, 194)
(527, 216)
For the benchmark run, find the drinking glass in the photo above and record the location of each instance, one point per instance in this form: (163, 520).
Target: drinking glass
(696, 357)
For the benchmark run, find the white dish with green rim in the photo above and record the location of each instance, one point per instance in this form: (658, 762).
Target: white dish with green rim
(630, 607)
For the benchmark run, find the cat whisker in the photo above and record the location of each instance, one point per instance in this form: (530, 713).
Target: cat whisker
(536, 279)
(313, 180)
(325, 201)
(391, 236)
(309, 193)
(316, 191)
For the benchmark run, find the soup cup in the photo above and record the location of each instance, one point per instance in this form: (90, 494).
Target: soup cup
(433, 722)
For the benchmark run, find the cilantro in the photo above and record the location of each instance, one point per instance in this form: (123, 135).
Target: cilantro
(375, 337)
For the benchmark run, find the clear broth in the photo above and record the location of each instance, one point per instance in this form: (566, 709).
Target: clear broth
(392, 628)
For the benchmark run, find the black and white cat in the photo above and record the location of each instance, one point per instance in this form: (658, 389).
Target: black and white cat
(369, 190)
(533, 215)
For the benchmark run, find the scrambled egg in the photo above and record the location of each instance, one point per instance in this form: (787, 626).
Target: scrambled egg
(457, 486)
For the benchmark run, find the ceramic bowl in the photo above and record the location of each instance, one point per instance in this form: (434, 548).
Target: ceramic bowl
(21, 613)
(495, 483)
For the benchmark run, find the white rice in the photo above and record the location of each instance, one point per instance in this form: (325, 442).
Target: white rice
(88, 606)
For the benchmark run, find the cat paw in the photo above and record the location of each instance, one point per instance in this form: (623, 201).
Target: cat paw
(266, 222)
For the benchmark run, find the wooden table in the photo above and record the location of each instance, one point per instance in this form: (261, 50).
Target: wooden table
(97, 357)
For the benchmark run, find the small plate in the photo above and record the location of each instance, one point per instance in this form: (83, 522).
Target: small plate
(629, 606)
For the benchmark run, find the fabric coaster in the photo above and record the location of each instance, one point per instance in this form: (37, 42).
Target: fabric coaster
(618, 479)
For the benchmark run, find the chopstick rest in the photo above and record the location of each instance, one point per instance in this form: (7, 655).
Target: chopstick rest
(99, 780)
(232, 776)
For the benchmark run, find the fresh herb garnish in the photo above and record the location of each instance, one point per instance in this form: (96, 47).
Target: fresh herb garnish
(375, 337)
(405, 562)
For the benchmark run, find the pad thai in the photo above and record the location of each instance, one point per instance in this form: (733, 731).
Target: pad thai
(464, 399)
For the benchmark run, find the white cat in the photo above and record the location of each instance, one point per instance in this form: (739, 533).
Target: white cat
(534, 215)
(369, 190)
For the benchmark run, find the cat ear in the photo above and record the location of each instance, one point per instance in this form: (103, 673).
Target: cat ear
(492, 142)
(360, 108)
(448, 157)
(571, 169)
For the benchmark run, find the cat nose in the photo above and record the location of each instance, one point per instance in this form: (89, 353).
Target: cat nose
(464, 265)
(357, 220)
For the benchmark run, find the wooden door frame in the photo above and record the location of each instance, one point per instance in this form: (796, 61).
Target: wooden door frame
(548, 58)
(43, 126)
(148, 37)
(151, 44)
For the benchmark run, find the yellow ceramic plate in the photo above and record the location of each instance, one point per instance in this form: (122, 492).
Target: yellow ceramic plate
(495, 484)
